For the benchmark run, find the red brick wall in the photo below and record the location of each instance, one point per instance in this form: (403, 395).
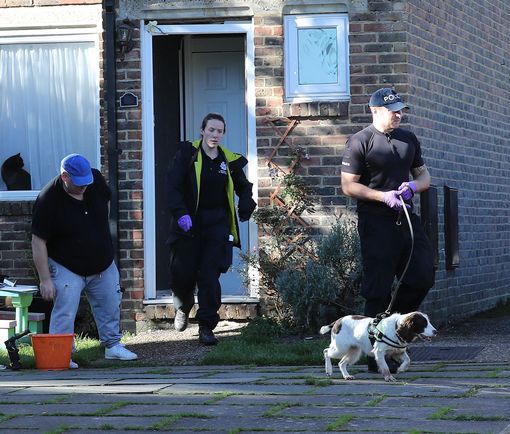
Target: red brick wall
(460, 98)
(129, 140)
(15, 241)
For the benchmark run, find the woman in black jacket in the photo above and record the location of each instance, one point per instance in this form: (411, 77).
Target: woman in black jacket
(202, 182)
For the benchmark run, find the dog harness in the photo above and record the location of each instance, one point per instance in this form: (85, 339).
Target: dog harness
(376, 333)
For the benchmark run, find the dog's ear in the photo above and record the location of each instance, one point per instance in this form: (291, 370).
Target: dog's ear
(412, 325)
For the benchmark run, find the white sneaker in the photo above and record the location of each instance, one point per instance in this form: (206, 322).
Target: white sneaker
(73, 365)
(119, 352)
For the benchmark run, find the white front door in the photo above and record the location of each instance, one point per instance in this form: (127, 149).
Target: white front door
(216, 73)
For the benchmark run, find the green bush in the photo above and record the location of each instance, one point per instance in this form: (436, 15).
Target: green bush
(332, 279)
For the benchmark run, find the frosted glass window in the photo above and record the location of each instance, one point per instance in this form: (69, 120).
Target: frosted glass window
(316, 55)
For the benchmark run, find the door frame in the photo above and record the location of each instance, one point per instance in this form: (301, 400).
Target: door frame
(147, 32)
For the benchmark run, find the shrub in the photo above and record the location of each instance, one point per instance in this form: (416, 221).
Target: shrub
(330, 280)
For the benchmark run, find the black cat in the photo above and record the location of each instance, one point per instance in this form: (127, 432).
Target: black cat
(13, 174)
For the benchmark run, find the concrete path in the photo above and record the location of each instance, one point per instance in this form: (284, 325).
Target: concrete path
(430, 398)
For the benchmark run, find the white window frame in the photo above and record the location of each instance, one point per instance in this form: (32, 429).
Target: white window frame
(68, 35)
(295, 92)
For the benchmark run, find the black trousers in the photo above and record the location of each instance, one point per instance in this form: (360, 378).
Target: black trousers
(385, 248)
(204, 264)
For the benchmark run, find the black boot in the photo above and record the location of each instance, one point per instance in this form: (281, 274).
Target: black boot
(206, 336)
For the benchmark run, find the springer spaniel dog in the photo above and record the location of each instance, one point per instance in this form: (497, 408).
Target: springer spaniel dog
(350, 337)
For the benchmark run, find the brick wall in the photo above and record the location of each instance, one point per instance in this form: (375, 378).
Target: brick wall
(448, 60)
(129, 140)
(460, 97)
(15, 241)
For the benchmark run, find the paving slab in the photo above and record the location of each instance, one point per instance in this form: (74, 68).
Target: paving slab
(49, 409)
(48, 423)
(222, 399)
(58, 390)
(241, 389)
(213, 410)
(243, 423)
(403, 425)
(299, 399)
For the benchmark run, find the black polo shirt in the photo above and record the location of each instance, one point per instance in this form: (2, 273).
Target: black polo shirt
(213, 182)
(77, 232)
(383, 161)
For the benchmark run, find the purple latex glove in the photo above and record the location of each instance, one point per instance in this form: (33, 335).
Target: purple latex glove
(407, 190)
(392, 199)
(185, 223)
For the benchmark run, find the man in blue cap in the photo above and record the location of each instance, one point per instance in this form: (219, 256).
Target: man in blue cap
(375, 170)
(73, 252)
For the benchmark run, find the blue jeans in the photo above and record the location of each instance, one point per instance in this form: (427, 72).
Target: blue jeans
(103, 293)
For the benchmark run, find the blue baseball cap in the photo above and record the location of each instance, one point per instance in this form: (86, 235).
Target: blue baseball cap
(388, 98)
(78, 168)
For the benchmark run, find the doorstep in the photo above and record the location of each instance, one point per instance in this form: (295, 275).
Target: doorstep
(232, 308)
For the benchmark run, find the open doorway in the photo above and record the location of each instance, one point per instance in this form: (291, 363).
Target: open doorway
(194, 74)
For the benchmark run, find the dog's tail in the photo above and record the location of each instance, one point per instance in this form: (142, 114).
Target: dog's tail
(326, 329)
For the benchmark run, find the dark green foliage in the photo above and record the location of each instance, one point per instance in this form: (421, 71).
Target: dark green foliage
(303, 279)
(332, 279)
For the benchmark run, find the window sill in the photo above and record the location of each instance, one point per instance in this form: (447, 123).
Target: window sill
(317, 109)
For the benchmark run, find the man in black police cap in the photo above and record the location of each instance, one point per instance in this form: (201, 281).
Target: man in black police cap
(375, 170)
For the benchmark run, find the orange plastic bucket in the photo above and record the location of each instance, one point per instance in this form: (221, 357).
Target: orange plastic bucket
(52, 352)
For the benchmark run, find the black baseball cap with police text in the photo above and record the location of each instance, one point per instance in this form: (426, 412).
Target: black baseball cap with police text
(388, 98)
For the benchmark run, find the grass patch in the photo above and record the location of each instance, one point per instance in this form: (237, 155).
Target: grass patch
(440, 413)
(376, 401)
(60, 429)
(276, 409)
(339, 423)
(110, 408)
(265, 342)
(471, 392)
(219, 397)
(162, 371)
(6, 417)
(318, 382)
(167, 422)
(240, 352)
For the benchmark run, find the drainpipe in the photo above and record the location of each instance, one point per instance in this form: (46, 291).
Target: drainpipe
(112, 149)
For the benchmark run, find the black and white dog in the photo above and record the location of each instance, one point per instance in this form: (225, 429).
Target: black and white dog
(350, 339)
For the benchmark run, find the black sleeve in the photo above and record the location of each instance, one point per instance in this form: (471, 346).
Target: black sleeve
(418, 159)
(243, 189)
(177, 177)
(353, 160)
(43, 215)
(100, 184)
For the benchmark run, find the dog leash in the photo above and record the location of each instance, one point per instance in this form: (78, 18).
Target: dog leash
(373, 331)
(399, 282)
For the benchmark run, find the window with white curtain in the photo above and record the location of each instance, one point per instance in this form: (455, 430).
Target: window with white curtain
(316, 55)
(49, 107)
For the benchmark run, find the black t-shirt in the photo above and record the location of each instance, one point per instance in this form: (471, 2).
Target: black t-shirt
(382, 160)
(77, 232)
(213, 182)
